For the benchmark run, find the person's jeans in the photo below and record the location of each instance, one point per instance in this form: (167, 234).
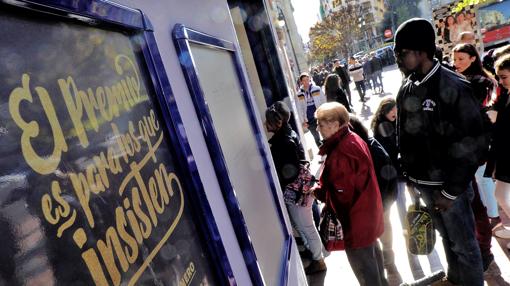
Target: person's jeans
(457, 228)
(312, 126)
(378, 76)
(375, 83)
(387, 241)
(414, 262)
(487, 189)
(368, 84)
(367, 265)
(360, 87)
(316, 212)
(302, 220)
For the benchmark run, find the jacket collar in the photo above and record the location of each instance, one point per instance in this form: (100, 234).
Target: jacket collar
(434, 69)
(330, 143)
(303, 89)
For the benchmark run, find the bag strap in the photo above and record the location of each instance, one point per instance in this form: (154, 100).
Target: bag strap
(416, 198)
(329, 203)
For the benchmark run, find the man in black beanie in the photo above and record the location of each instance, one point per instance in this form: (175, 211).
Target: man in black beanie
(440, 140)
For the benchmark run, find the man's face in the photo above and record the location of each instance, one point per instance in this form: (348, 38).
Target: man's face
(336, 64)
(305, 81)
(408, 61)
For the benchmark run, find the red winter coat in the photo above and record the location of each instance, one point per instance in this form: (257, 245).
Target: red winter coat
(350, 179)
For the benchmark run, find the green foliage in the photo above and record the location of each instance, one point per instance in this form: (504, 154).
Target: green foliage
(335, 34)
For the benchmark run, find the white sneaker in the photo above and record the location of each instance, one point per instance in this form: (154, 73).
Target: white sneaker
(503, 233)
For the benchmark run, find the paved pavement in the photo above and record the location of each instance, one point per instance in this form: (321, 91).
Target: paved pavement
(339, 271)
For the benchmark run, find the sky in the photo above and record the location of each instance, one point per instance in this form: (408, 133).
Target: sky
(306, 14)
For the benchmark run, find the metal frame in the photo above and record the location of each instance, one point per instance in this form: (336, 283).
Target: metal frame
(95, 12)
(183, 36)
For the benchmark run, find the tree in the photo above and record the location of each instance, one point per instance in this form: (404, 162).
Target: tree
(336, 33)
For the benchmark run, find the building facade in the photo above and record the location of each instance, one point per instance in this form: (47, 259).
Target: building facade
(372, 14)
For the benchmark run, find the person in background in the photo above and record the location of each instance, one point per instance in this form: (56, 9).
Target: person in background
(377, 69)
(367, 73)
(467, 62)
(344, 77)
(440, 28)
(450, 30)
(467, 37)
(498, 165)
(439, 56)
(323, 74)
(315, 77)
(309, 98)
(387, 181)
(463, 25)
(470, 18)
(348, 179)
(384, 126)
(356, 71)
(334, 92)
(437, 113)
(287, 153)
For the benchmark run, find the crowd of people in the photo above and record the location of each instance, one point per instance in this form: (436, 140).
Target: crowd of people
(444, 139)
(366, 72)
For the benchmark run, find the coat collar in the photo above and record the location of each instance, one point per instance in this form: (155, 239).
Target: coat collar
(434, 69)
(333, 141)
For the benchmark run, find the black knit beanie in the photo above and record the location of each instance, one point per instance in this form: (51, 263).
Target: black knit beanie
(415, 34)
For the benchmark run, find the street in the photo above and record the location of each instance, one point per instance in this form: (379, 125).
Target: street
(339, 271)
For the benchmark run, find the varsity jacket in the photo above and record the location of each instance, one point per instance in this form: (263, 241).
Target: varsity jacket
(439, 131)
(318, 98)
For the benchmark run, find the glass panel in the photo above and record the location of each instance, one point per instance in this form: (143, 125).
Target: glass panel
(224, 97)
(90, 190)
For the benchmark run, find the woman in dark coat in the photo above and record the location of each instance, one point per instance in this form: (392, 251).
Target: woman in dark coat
(499, 158)
(349, 185)
(334, 92)
(287, 153)
(387, 181)
(384, 127)
(467, 62)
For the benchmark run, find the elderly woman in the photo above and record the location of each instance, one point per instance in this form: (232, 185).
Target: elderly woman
(349, 181)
